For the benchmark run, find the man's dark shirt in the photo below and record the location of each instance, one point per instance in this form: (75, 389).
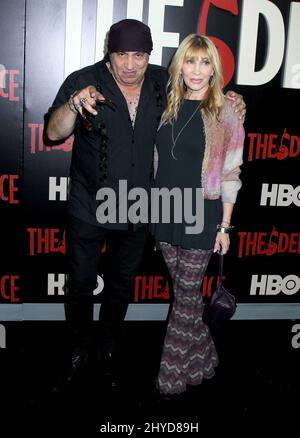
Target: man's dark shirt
(112, 150)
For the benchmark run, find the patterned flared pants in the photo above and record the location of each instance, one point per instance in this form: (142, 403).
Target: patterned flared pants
(189, 353)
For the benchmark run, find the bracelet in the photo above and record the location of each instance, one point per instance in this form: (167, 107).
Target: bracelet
(223, 230)
(71, 104)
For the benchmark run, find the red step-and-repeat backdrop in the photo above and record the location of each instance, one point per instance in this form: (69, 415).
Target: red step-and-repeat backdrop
(43, 41)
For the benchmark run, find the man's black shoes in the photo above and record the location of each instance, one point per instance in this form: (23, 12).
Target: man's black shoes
(84, 370)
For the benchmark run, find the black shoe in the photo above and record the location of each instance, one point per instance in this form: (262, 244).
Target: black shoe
(109, 369)
(78, 363)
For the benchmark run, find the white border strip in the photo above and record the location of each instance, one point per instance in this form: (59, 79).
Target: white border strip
(144, 312)
(73, 36)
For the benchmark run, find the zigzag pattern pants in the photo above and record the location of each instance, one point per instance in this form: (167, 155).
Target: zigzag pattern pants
(189, 353)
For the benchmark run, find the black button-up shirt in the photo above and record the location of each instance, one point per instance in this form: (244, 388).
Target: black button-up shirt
(112, 150)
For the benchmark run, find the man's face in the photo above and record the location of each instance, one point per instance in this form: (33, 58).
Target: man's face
(129, 67)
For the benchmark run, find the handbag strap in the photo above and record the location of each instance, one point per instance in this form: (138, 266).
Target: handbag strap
(221, 262)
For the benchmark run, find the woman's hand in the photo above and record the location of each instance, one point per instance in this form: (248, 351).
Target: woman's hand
(238, 104)
(222, 243)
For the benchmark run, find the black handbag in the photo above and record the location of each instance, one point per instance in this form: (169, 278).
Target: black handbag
(222, 305)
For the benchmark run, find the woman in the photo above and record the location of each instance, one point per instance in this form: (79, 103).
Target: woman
(199, 144)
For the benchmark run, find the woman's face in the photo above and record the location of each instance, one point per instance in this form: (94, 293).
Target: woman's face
(196, 72)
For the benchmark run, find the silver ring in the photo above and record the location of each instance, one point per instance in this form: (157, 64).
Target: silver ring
(83, 101)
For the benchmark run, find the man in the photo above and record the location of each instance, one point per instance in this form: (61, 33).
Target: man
(113, 109)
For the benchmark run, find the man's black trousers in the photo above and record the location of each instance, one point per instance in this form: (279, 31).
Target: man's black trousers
(124, 252)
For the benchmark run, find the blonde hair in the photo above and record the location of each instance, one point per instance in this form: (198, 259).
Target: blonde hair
(191, 46)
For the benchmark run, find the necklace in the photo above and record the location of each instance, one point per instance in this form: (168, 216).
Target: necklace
(132, 99)
(179, 133)
(132, 104)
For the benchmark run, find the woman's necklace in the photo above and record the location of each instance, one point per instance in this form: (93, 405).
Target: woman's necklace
(174, 141)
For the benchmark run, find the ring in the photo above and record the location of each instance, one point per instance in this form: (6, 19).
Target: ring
(83, 101)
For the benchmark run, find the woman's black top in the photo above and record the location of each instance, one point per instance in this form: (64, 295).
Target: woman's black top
(179, 166)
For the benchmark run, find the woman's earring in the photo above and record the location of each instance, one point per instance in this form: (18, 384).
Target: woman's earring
(212, 81)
